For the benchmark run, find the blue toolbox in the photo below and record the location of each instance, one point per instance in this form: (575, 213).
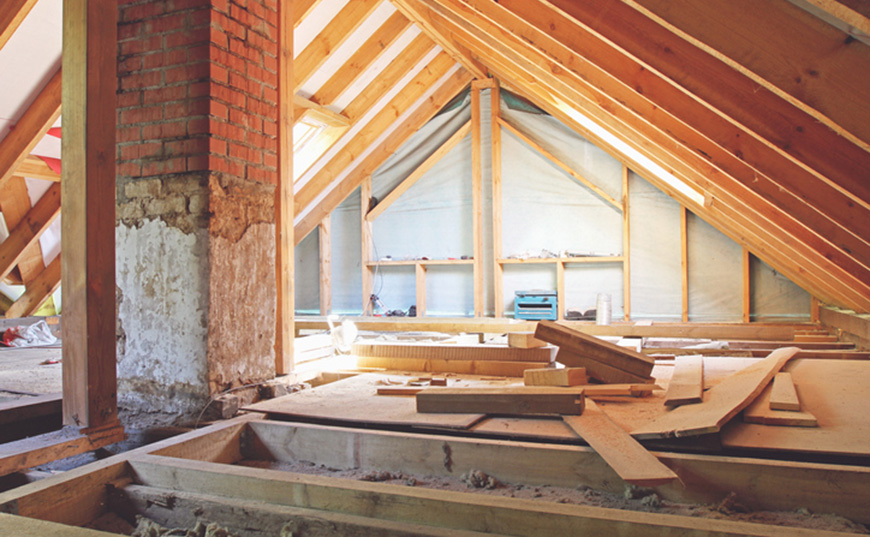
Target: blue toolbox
(536, 305)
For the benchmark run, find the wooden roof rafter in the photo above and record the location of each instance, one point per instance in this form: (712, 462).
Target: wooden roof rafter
(505, 64)
(11, 17)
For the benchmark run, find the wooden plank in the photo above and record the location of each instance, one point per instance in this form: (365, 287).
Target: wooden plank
(36, 168)
(88, 204)
(491, 368)
(783, 395)
(496, 208)
(520, 400)
(566, 376)
(558, 162)
(592, 348)
(482, 353)
(850, 325)
(22, 454)
(337, 30)
(11, 16)
(631, 461)
(524, 340)
(777, 485)
(187, 509)
(721, 402)
(418, 172)
(284, 197)
(321, 113)
(633, 390)
(20, 526)
(362, 59)
(805, 345)
(30, 128)
(28, 408)
(301, 8)
(598, 370)
(420, 287)
(27, 231)
(468, 511)
(808, 338)
(687, 382)
(477, 198)
(324, 246)
(400, 390)
(759, 411)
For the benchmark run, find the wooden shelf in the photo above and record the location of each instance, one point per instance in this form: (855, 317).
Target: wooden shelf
(591, 259)
(424, 262)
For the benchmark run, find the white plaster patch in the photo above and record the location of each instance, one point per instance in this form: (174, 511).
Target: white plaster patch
(162, 273)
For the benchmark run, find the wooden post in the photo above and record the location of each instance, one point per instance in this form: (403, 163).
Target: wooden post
(284, 195)
(626, 247)
(88, 203)
(476, 202)
(325, 266)
(560, 289)
(497, 230)
(366, 246)
(815, 310)
(747, 287)
(421, 289)
(684, 264)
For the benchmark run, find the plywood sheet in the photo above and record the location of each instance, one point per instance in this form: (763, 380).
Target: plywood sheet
(834, 391)
(354, 400)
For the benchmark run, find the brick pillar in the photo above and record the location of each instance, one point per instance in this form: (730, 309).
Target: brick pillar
(195, 222)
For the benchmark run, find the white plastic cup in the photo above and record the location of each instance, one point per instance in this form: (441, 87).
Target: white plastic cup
(603, 311)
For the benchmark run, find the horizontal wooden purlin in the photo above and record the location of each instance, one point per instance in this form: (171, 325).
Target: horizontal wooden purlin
(794, 41)
(30, 128)
(362, 59)
(468, 511)
(384, 118)
(723, 212)
(840, 223)
(329, 117)
(447, 91)
(540, 149)
(419, 172)
(457, 325)
(36, 168)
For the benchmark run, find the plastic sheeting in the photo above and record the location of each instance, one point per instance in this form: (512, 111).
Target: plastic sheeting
(544, 208)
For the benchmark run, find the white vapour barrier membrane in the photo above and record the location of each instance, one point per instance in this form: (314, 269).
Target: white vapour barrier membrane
(654, 228)
(774, 297)
(544, 208)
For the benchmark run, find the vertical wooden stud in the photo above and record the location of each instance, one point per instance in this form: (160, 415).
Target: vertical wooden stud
(815, 313)
(747, 287)
(325, 266)
(366, 246)
(421, 289)
(88, 203)
(497, 240)
(284, 195)
(476, 202)
(626, 247)
(684, 264)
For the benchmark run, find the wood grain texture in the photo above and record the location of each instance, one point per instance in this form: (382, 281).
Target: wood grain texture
(783, 395)
(566, 376)
(524, 340)
(481, 353)
(598, 370)
(492, 368)
(687, 382)
(721, 402)
(510, 401)
(759, 411)
(631, 461)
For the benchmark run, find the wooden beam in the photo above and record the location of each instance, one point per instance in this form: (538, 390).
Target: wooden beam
(747, 285)
(684, 261)
(420, 287)
(419, 172)
(381, 121)
(30, 128)
(687, 167)
(330, 39)
(558, 162)
(806, 61)
(476, 196)
(28, 230)
(88, 206)
(325, 248)
(366, 246)
(362, 59)
(36, 168)
(513, 400)
(301, 9)
(626, 247)
(37, 291)
(321, 113)
(422, 113)
(595, 349)
(284, 203)
(461, 56)
(486, 353)
(15, 204)
(11, 16)
(497, 224)
(854, 13)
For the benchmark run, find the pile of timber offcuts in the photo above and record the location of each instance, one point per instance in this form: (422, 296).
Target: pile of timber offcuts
(560, 386)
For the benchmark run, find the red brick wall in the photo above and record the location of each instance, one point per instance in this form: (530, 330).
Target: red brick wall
(197, 88)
